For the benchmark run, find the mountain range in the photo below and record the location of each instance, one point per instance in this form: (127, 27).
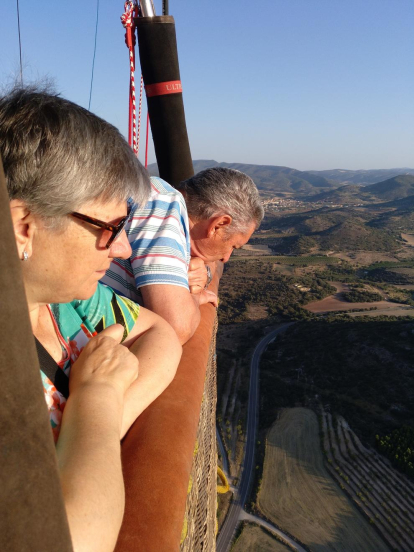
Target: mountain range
(279, 179)
(269, 178)
(391, 190)
(362, 177)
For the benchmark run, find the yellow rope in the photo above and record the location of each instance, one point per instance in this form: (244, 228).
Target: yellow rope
(184, 530)
(222, 489)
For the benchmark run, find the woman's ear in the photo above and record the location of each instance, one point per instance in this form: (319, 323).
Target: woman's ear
(24, 226)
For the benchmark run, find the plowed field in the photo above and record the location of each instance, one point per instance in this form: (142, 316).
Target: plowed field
(299, 495)
(255, 539)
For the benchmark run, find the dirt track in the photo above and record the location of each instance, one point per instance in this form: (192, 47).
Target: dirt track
(298, 494)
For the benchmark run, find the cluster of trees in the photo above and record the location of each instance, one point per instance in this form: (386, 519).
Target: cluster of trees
(294, 245)
(344, 272)
(361, 296)
(389, 277)
(380, 274)
(399, 448)
(259, 284)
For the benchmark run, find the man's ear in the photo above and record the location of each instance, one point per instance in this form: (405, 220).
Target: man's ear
(24, 226)
(218, 225)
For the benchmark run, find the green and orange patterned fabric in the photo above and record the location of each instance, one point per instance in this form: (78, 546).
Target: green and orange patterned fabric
(75, 324)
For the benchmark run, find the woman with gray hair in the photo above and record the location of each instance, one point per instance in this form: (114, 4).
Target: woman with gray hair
(68, 176)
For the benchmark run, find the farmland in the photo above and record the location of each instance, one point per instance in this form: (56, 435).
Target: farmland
(305, 260)
(346, 279)
(256, 539)
(298, 493)
(384, 496)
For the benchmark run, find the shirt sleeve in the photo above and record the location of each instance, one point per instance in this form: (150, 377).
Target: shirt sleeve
(159, 239)
(104, 308)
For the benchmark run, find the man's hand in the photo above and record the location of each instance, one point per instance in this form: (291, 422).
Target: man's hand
(208, 297)
(197, 275)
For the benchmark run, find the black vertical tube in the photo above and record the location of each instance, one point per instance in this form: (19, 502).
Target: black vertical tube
(159, 63)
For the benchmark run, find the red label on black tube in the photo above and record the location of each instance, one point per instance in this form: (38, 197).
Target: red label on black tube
(163, 88)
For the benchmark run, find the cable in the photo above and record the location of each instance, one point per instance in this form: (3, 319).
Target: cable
(20, 43)
(94, 53)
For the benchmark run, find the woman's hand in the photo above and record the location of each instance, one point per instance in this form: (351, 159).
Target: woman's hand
(104, 361)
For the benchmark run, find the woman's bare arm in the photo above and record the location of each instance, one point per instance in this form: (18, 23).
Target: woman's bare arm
(158, 350)
(88, 447)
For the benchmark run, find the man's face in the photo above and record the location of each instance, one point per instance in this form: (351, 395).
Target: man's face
(220, 245)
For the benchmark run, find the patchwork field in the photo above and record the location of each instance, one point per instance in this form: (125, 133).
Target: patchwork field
(336, 302)
(310, 260)
(256, 249)
(256, 539)
(385, 495)
(298, 494)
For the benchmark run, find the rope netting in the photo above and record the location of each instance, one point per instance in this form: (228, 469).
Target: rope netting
(199, 530)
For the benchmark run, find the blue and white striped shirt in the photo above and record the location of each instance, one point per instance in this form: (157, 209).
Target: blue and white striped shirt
(160, 240)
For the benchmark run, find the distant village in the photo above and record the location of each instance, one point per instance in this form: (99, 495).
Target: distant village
(276, 204)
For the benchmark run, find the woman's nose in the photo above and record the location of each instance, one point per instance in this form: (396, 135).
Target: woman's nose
(120, 248)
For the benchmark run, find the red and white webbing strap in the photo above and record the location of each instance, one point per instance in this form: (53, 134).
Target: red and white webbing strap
(127, 19)
(141, 88)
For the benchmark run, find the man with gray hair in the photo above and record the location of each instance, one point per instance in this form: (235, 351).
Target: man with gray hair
(174, 254)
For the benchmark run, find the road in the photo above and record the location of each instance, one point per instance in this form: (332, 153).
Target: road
(258, 521)
(227, 531)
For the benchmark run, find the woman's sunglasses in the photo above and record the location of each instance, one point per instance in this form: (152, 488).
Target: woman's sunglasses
(116, 230)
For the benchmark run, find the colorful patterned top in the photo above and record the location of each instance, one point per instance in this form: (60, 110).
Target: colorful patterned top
(160, 240)
(75, 323)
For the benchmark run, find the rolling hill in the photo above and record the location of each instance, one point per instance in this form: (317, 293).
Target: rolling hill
(348, 194)
(362, 177)
(361, 186)
(393, 189)
(270, 178)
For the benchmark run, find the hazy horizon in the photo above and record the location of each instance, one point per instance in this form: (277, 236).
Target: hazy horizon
(307, 85)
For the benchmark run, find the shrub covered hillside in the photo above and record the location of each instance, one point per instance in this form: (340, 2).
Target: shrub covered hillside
(362, 368)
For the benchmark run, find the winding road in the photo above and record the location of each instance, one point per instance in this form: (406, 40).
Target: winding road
(236, 508)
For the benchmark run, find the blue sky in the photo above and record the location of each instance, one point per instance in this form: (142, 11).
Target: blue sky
(309, 84)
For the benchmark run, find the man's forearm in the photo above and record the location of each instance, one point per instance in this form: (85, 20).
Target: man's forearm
(176, 305)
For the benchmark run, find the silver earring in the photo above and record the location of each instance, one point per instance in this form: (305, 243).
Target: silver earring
(25, 256)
